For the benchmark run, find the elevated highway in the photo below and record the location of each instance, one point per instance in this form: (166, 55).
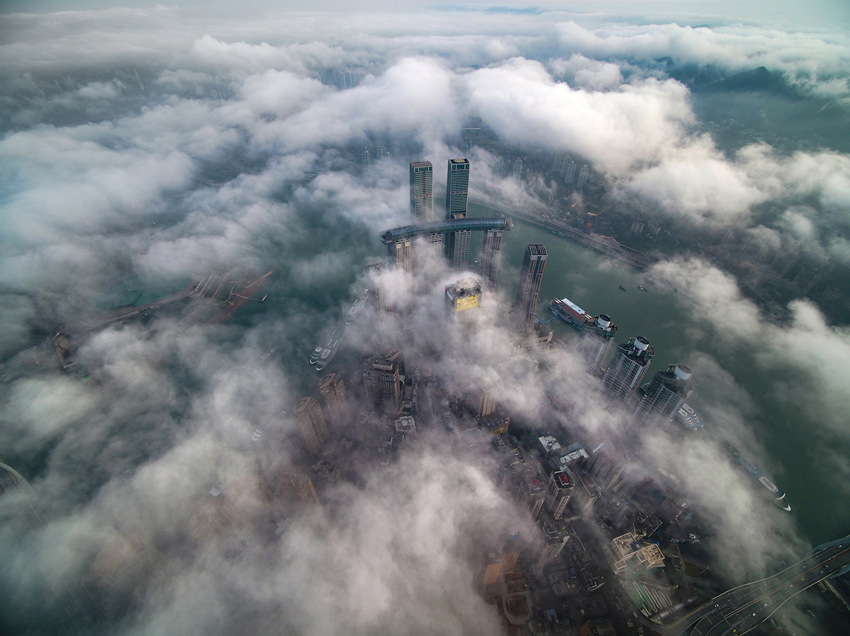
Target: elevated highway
(743, 608)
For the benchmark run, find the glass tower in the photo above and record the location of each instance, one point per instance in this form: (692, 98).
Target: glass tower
(422, 190)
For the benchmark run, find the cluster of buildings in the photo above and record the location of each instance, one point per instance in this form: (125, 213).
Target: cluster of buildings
(559, 484)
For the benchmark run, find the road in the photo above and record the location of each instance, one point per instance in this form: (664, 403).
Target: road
(742, 609)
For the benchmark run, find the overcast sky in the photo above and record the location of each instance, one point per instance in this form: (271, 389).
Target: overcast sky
(145, 146)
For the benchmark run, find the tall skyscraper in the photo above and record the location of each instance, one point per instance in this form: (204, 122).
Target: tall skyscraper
(490, 255)
(457, 248)
(662, 396)
(595, 340)
(457, 188)
(399, 253)
(332, 396)
(531, 276)
(569, 171)
(386, 318)
(292, 487)
(422, 190)
(628, 368)
(311, 424)
(457, 193)
(382, 380)
(559, 490)
(427, 249)
(582, 177)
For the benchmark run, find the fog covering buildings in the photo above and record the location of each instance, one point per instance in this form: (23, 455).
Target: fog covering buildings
(148, 146)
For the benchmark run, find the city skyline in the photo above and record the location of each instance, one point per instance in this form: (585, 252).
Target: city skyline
(200, 201)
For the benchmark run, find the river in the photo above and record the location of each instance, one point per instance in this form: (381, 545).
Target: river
(793, 445)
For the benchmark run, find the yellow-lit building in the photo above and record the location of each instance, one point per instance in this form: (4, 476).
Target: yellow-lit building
(465, 294)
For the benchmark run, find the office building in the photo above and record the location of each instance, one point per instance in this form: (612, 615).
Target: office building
(465, 294)
(490, 255)
(531, 275)
(662, 396)
(422, 190)
(311, 424)
(382, 379)
(627, 368)
(457, 188)
(332, 397)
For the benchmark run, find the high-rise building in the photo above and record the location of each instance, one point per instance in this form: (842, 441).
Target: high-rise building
(457, 188)
(382, 379)
(457, 193)
(627, 368)
(559, 489)
(386, 318)
(490, 255)
(457, 248)
(311, 423)
(422, 190)
(487, 402)
(525, 481)
(582, 177)
(554, 535)
(399, 253)
(531, 275)
(595, 339)
(569, 171)
(465, 294)
(367, 156)
(292, 487)
(428, 248)
(332, 396)
(663, 395)
(517, 169)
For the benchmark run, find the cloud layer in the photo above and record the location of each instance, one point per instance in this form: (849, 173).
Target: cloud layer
(144, 148)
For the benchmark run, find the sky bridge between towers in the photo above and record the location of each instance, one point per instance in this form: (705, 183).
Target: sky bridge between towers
(450, 225)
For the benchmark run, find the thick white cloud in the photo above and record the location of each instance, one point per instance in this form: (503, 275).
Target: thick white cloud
(195, 146)
(805, 55)
(587, 73)
(616, 130)
(816, 354)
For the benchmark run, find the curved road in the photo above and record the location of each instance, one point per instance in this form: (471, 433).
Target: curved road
(742, 609)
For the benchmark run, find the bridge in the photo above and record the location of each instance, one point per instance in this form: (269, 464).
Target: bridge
(743, 608)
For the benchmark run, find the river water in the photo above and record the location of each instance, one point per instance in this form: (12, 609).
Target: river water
(792, 445)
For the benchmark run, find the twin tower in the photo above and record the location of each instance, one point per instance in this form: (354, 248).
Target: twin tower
(422, 189)
(454, 232)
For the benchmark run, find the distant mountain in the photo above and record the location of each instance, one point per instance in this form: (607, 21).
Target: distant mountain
(711, 78)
